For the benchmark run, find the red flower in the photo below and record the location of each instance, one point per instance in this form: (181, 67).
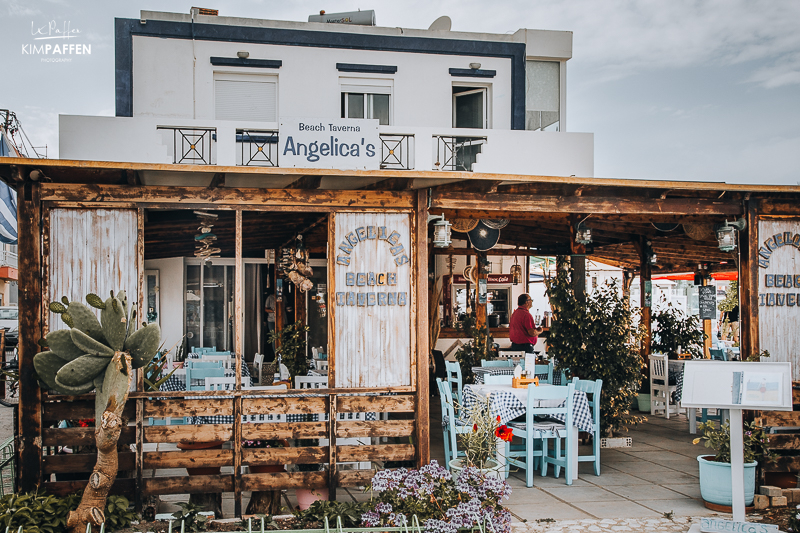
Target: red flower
(504, 433)
(474, 428)
(498, 418)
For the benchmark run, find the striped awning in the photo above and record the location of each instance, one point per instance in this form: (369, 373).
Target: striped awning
(8, 204)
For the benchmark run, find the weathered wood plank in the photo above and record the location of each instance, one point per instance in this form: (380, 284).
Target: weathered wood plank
(190, 458)
(81, 436)
(282, 456)
(354, 478)
(581, 204)
(187, 484)
(239, 351)
(123, 486)
(240, 196)
(783, 464)
(779, 418)
(254, 394)
(283, 480)
(381, 452)
(421, 347)
(376, 428)
(189, 433)
(77, 410)
(29, 446)
(82, 462)
(308, 405)
(180, 407)
(773, 207)
(285, 430)
(375, 404)
(784, 441)
(748, 283)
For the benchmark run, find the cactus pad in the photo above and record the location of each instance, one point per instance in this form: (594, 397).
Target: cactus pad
(115, 323)
(60, 343)
(95, 301)
(85, 320)
(89, 345)
(143, 344)
(57, 307)
(81, 370)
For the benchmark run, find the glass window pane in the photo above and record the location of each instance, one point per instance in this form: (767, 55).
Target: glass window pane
(193, 306)
(469, 110)
(542, 88)
(380, 108)
(214, 318)
(355, 105)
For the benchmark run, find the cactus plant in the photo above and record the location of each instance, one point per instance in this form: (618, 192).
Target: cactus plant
(97, 354)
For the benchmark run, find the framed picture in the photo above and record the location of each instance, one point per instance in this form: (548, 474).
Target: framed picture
(152, 298)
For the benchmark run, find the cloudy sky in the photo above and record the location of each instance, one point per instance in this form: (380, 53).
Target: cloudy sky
(672, 89)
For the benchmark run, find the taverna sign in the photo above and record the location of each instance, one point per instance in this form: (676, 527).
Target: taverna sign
(324, 143)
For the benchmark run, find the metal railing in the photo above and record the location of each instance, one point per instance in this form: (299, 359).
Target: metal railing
(192, 145)
(9, 259)
(259, 147)
(7, 467)
(397, 151)
(457, 153)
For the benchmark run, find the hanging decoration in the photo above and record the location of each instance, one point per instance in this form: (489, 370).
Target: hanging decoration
(516, 272)
(294, 264)
(320, 298)
(205, 240)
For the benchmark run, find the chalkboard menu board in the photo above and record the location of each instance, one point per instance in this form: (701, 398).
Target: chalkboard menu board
(708, 302)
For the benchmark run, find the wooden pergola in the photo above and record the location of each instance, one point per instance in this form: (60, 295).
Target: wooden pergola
(629, 218)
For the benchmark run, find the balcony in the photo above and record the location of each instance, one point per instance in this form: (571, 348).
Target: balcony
(8, 259)
(227, 143)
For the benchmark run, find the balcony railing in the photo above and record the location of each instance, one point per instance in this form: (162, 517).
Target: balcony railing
(192, 145)
(397, 151)
(457, 153)
(259, 148)
(8, 259)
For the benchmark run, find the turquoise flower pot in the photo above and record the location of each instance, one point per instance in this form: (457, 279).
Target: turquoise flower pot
(715, 481)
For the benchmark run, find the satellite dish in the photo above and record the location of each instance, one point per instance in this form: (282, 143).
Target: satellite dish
(443, 23)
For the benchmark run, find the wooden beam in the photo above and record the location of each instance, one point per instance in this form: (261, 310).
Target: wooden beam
(238, 310)
(748, 282)
(28, 445)
(390, 184)
(232, 197)
(422, 343)
(509, 252)
(306, 182)
(583, 204)
(477, 186)
(217, 181)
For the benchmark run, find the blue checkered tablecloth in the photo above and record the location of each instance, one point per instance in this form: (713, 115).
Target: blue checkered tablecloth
(508, 406)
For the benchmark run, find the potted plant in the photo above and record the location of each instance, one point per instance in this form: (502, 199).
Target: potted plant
(674, 330)
(440, 501)
(643, 398)
(715, 470)
(480, 444)
(291, 342)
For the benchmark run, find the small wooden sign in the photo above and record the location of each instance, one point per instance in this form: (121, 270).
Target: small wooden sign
(714, 525)
(708, 302)
(522, 383)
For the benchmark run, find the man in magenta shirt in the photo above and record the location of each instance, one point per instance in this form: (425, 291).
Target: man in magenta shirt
(522, 331)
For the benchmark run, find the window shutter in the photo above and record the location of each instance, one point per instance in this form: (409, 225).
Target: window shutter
(246, 100)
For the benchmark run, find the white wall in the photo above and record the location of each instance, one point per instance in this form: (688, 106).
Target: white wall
(171, 296)
(308, 81)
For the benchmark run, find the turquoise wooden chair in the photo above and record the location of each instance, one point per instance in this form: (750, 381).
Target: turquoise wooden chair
(497, 363)
(451, 425)
(544, 373)
(199, 371)
(453, 369)
(489, 379)
(562, 456)
(594, 388)
(717, 354)
(536, 433)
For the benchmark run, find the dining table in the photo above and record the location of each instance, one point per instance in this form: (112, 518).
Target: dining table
(481, 371)
(509, 402)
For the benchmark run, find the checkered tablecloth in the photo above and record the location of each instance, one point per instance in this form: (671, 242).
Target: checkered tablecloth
(506, 403)
(481, 371)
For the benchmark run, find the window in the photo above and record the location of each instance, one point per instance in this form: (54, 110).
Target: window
(365, 98)
(470, 107)
(248, 97)
(542, 95)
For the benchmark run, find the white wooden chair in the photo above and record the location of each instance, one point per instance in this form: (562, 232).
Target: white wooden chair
(225, 383)
(321, 365)
(515, 356)
(227, 361)
(255, 366)
(311, 382)
(660, 389)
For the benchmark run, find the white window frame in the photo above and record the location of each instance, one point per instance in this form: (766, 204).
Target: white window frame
(368, 87)
(475, 88)
(224, 75)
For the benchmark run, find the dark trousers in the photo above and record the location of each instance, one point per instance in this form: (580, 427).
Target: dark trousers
(524, 347)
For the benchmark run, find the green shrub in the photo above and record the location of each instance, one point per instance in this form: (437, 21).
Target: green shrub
(350, 512)
(36, 512)
(119, 515)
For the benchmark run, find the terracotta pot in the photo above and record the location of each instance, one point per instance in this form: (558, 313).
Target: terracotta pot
(201, 470)
(264, 469)
(305, 497)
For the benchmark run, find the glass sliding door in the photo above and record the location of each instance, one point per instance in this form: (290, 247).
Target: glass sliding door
(209, 306)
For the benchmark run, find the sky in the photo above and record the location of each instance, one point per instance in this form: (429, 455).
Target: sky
(672, 89)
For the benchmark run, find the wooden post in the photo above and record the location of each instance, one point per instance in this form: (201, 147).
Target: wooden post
(578, 260)
(238, 335)
(31, 307)
(706, 324)
(421, 282)
(748, 284)
(480, 308)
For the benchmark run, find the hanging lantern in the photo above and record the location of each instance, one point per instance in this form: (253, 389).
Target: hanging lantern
(441, 231)
(516, 274)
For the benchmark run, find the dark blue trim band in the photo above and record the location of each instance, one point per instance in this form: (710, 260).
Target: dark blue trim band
(374, 69)
(125, 29)
(246, 62)
(472, 73)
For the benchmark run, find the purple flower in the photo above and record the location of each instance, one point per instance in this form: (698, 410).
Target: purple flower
(383, 508)
(439, 526)
(370, 519)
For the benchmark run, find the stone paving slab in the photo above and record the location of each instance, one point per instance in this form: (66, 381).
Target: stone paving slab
(638, 525)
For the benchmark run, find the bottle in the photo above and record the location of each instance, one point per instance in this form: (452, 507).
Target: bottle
(278, 367)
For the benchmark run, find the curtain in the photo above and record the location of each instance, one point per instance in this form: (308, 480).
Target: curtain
(253, 311)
